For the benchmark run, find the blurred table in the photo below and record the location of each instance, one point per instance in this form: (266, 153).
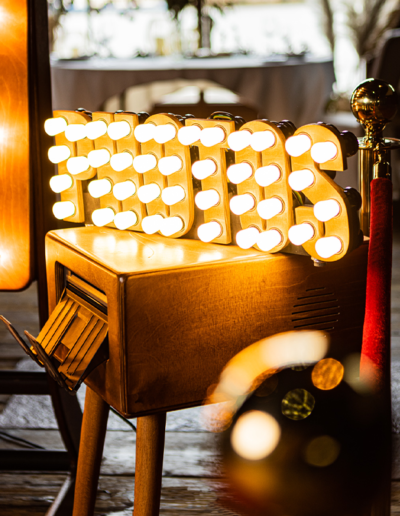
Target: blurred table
(295, 88)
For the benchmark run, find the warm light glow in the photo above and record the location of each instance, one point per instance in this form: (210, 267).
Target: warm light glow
(164, 133)
(209, 231)
(63, 210)
(124, 190)
(144, 163)
(255, 435)
(266, 176)
(240, 204)
(298, 145)
(103, 216)
(328, 246)
(262, 140)
(298, 404)
(125, 219)
(203, 168)
(322, 451)
(326, 210)
(152, 224)
(53, 126)
(171, 225)
(239, 173)
(239, 140)
(98, 158)
(144, 132)
(148, 193)
(327, 374)
(269, 208)
(169, 165)
(269, 239)
(99, 187)
(323, 152)
(301, 179)
(189, 135)
(77, 165)
(172, 195)
(58, 153)
(75, 132)
(61, 183)
(121, 161)
(96, 129)
(246, 238)
(118, 130)
(212, 136)
(301, 233)
(207, 199)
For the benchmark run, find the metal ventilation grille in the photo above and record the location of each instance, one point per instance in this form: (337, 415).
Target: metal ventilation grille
(318, 309)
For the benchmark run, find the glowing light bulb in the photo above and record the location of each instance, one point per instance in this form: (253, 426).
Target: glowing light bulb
(239, 173)
(203, 168)
(75, 132)
(262, 140)
(265, 176)
(172, 195)
(209, 231)
(267, 240)
(212, 136)
(124, 190)
(118, 130)
(164, 133)
(148, 193)
(246, 238)
(326, 210)
(301, 179)
(99, 187)
(125, 219)
(59, 153)
(53, 126)
(298, 145)
(240, 204)
(239, 140)
(189, 135)
(77, 165)
(171, 225)
(144, 132)
(152, 224)
(144, 163)
(169, 165)
(96, 129)
(64, 209)
(121, 161)
(207, 199)
(269, 208)
(61, 183)
(98, 158)
(323, 152)
(103, 216)
(328, 246)
(301, 233)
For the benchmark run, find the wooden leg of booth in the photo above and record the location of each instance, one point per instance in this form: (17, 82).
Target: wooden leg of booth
(150, 438)
(94, 426)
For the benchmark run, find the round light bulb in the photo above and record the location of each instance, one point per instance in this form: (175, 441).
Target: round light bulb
(125, 219)
(103, 216)
(144, 163)
(239, 173)
(53, 126)
(64, 209)
(148, 193)
(239, 140)
(99, 187)
(269, 208)
(262, 140)
(266, 176)
(212, 136)
(96, 129)
(169, 165)
(124, 190)
(98, 158)
(301, 233)
(152, 224)
(203, 168)
(323, 152)
(172, 195)
(77, 165)
(144, 132)
(75, 132)
(207, 199)
(240, 204)
(328, 246)
(209, 231)
(298, 145)
(301, 179)
(246, 238)
(326, 210)
(59, 153)
(171, 226)
(118, 130)
(189, 135)
(164, 133)
(267, 240)
(121, 161)
(61, 183)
